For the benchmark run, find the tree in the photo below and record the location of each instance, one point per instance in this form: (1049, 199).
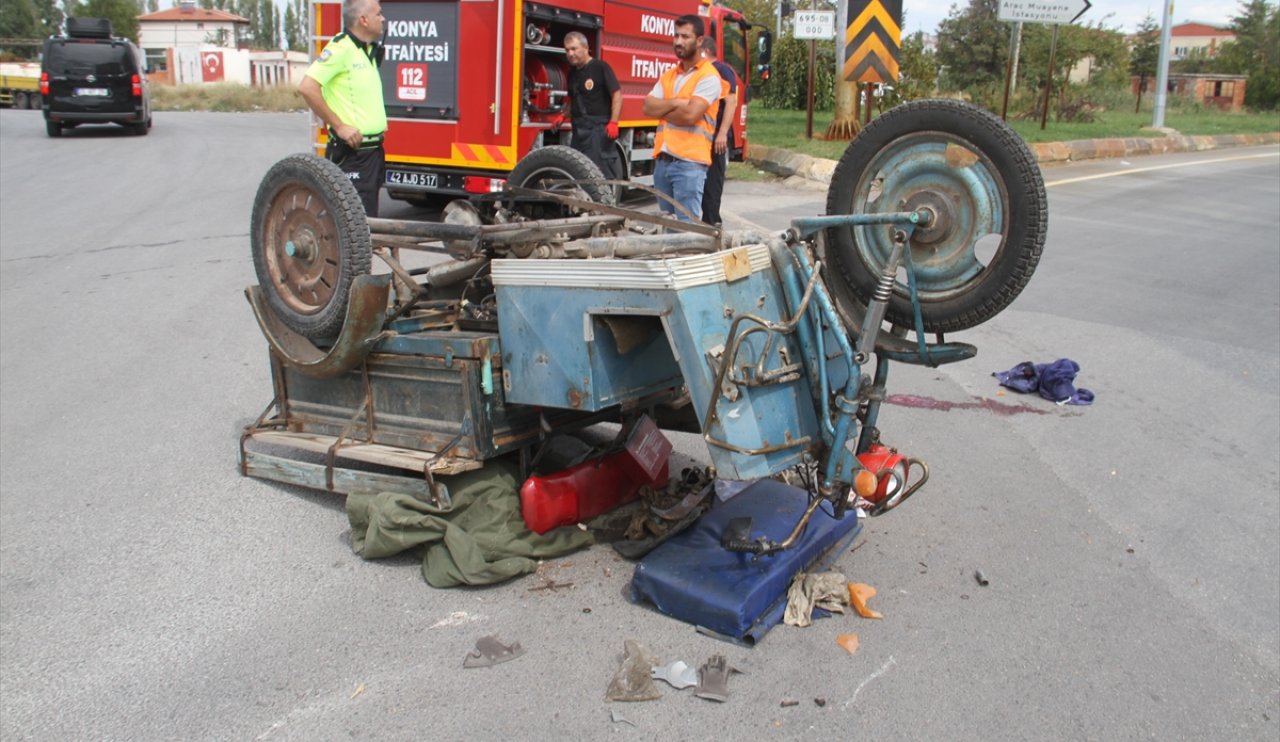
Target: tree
(20, 20)
(293, 35)
(917, 69)
(123, 15)
(973, 46)
(1102, 50)
(1255, 52)
(1145, 54)
(50, 17)
(246, 9)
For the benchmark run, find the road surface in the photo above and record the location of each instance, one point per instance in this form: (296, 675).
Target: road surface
(149, 592)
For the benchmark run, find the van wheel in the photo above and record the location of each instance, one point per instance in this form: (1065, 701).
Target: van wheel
(548, 168)
(141, 128)
(310, 239)
(979, 180)
(53, 128)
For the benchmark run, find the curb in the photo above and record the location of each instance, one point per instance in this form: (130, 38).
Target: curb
(787, 163)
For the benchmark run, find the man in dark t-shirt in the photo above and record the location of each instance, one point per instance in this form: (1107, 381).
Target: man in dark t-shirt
(728, 106)
(595, 102)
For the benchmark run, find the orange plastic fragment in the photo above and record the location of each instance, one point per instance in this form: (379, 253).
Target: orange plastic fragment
(859, 594)
(848, 642)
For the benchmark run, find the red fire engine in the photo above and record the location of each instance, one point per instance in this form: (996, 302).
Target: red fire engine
(472, 88)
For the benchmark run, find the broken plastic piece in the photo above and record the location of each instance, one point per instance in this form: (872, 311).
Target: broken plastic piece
(848, 642)
(489, 651)
(618, 718)
(678, 674)
(634, 679)
(713, 679)
(859, 594)
(981, 578)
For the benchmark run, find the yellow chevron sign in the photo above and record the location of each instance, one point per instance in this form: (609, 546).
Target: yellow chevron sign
(872, 41)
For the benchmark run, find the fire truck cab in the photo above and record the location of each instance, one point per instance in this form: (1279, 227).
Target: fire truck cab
(473, 87)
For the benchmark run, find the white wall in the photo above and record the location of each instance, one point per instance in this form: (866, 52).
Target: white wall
(188, 69)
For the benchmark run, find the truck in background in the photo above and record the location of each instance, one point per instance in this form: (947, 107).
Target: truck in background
(472, 88)
(20, 85)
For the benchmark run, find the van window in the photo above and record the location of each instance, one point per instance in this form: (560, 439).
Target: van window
(74, 58)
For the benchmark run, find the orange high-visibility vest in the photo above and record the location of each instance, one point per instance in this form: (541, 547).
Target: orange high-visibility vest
(691, 143)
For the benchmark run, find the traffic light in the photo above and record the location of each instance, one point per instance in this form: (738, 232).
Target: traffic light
(785, 9)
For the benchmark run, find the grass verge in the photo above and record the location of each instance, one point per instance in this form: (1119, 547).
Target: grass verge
(786, 128)
(226, 97)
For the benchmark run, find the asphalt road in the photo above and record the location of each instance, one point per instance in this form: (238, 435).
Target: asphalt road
(147, 591)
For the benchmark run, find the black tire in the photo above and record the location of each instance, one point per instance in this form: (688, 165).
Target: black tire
(53, 128)
(974, 172)
(546, 165)
(310, 239)
(141, 128)
(19, 101)
(34, 101)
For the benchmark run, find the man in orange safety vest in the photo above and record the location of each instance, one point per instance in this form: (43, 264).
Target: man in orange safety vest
(683, 101)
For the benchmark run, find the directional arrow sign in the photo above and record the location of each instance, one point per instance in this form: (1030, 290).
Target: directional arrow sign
(1042, 11)
(872, 41)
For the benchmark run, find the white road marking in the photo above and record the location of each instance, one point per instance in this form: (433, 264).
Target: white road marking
(1082, 178)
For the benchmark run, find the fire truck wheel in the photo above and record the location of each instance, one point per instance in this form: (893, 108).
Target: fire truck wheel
(983, 188)
(543, 167)
(310, 240)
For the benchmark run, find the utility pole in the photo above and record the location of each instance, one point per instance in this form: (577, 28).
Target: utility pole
(1162, 67)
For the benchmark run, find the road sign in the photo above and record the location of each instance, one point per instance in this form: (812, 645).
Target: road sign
(1042, 11)
(815, 24)
(872, 41)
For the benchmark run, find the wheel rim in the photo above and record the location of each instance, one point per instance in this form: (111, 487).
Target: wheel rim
(303, 256)
(965, 195)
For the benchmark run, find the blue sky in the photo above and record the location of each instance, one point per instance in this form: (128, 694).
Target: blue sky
(924, 15)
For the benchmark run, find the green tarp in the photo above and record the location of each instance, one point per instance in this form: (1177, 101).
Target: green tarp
(480, 540)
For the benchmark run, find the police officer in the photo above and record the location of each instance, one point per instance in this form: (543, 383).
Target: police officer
(344, 90)
(595, 100)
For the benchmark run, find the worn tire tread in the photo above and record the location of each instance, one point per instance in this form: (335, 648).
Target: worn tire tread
(328, 182)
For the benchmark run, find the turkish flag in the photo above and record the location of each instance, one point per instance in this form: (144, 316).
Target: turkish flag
(211, 66)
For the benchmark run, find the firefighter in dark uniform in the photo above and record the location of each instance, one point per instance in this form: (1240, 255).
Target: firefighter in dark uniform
(595, 102)
(344, 89)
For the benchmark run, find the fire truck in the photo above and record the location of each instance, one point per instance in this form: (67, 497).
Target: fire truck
(473, 88)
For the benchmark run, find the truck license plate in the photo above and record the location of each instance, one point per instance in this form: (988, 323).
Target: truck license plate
(400, 177)
(99, 92)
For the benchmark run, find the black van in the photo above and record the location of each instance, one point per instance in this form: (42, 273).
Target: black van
(90, 77)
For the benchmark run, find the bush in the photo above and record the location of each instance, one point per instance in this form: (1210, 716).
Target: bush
(788, 83)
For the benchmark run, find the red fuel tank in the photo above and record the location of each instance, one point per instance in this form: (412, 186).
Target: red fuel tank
(599, 485)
